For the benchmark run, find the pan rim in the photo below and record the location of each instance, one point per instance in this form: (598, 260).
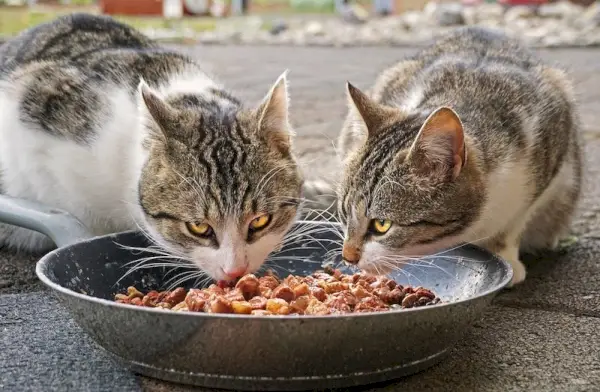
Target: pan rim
(42, 266)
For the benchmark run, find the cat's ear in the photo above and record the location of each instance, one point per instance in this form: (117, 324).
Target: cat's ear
(273, 115)
(440, 145)
(372, 116)
(156, 108)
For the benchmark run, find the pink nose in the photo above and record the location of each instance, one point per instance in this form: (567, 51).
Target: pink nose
(235, 272)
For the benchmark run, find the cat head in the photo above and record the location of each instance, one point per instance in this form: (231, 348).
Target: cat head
(409, 188)
(220, 186)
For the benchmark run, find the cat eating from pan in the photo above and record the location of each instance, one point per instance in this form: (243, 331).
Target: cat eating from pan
(98, 120)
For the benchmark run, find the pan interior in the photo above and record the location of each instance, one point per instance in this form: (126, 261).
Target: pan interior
(99, 267)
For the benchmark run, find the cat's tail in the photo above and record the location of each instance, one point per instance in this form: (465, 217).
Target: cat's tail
(320, 201)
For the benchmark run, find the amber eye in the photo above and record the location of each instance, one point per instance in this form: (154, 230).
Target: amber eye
(201, 230)
(260, 222)
(381, 226)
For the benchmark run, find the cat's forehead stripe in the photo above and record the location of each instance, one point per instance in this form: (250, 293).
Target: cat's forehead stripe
(381, 152)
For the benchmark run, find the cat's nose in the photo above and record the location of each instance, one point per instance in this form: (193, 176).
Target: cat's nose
(235, 272)
(351, 254)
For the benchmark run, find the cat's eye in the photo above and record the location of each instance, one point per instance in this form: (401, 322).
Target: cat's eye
(380, 226)
(260, 222)
(201, 230)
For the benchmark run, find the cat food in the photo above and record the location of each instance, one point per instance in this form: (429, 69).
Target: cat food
(324, 292)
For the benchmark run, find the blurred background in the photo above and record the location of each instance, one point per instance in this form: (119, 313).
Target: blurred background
(541, 23)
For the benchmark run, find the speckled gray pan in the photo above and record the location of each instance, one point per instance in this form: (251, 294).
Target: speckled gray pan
(249, 352)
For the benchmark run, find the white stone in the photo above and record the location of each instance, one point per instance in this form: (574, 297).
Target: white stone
(560, 10)
(314, 28)
(412, 20)
(470, 15)
(590, 17)
(449, 14)
(489, 11)
(517, 13)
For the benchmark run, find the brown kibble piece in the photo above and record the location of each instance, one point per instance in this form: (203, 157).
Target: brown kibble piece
(408, 290)
(149, 299)
(268, 281)
(175, 296)
(335, 287)
(258, 303)
(339, 303)
(300, 303)
(367, 278)
(360, 292)
(395, 296)
(318, 293)
(292, 281)
(241, 307)
(347, 279)
(372, 302)
(214, 289)
(284, 292)
(323, 277)
(235, 295)
(284, 310)
(275, 304)
(248, 285)
(220, 305)
(132, 292)
(265, 291)
(316, 308)
(195, 300)
(301, 289)
(425, 293)
(391, 284)
(382, 292)
(410, 300)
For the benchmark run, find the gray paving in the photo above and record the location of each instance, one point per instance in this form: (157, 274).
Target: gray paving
(44, 350)
(542, 336)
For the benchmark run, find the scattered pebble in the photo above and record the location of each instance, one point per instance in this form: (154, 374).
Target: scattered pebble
(549, 25)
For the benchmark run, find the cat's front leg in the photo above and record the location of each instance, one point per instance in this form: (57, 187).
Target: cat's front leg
(510, 253)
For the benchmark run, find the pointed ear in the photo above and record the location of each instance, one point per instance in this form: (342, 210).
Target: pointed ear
(273, 121)
(373, 115)
(156, 108)
(440, 145)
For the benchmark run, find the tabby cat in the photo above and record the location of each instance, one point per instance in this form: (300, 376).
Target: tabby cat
(96, 119)
(474, 139)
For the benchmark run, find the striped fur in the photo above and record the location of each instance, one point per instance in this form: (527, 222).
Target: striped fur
(98, 120)
(513, 184)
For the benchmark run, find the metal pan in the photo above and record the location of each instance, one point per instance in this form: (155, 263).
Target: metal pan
(256, 353)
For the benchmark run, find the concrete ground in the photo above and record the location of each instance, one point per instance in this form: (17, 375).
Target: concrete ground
(542, 336)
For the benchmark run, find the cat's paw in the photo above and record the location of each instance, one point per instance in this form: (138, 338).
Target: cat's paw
(519, 271)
